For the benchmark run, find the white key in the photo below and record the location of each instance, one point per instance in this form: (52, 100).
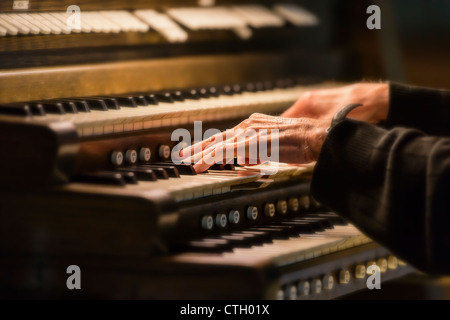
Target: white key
(127, 21)
(207, 18)
(23, 29)
(62, 18)
(18, 17)
(10, 28)
(3, 31)
(33, 19)
(163, 24)
(57, 22)
(183, 113)
(258, 16)
(296, 15)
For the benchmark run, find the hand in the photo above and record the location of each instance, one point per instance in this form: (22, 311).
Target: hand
(290, 140)
(324, 103)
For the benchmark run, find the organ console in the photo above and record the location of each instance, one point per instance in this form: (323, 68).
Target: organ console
(87, 114)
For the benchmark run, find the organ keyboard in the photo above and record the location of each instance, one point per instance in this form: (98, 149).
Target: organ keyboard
(86, 122)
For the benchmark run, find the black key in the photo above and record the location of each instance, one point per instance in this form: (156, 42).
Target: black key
(276, 233)
(290, 230)
(151, 99)
(53, 107)
(121, 101)
(264, 236)
(141, 173)
(37, 109)
(234, 240)
(316, 225)
(211, 91)
(191, 94)
(69, 107)
(332, 217)
(82, 106)
(109, 178)
(94, 104)
(209, 246)
(159, 172)
(129, 177)
(171, 170)
(249, 87)
(300, 227)
(231, 89)
(184, 169)
(203, 93)
(326, 223)
(21, 110)
(140, 100)
(252, 239)
(111, 102)
(226, 166)
(268, 85)
(164, 97)
(178, 96)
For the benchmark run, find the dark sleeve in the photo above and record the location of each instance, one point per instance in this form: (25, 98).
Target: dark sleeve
(394, 185)
(422, 108)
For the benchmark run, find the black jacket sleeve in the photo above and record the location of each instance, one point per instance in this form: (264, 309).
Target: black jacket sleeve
(420, 108)
(394, 185)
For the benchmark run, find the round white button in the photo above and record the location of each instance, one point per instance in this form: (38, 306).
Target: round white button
(316, 286)
(252, 213)
(117, 158)
(280, 294)
(282, 207)
(305, 202)
(207, 222)
(392, 262)
(164, 152)
(234, 216)
(382, 264)
(344, 276)
(131, 156)
(368, 264)
(145, 154)
(290, 292)
(303, 288)
(221, 220)
(360, 271)
(269, 209)
(328, 282)
(293, 204)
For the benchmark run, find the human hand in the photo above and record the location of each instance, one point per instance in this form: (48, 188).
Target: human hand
(290, 140)
(324, 103)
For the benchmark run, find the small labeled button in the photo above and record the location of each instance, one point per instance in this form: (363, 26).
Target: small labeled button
(145, 154)
(269, 210)
(221, 220)
(234, 216)
(316, 286)
(131, 156)
(305, 202)
(360, 271)
(164, 152)
(328, 282)
(207, 222)
(382, 264)
(303, 288)
(252, 213)
(290, 292)
(282, 207)
(344, 276)
(392, 262)
(293, 204)
(117, 158)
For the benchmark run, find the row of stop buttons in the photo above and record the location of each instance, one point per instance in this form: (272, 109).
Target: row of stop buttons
(282, 207)
(143, 154)
(296, 290)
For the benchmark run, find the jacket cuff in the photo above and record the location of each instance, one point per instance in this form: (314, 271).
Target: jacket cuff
(345, 156)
